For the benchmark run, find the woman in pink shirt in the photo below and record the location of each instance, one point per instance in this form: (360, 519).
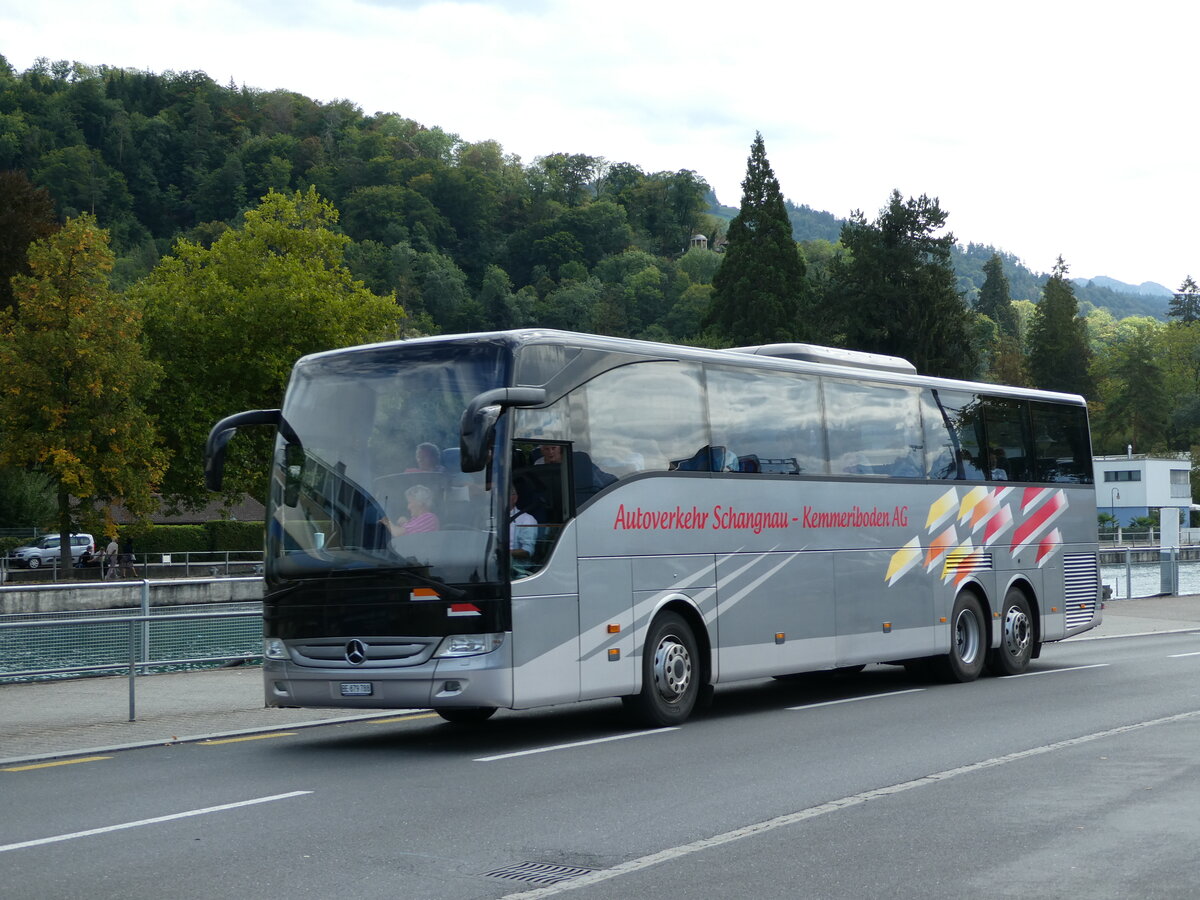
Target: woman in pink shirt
(420, 517)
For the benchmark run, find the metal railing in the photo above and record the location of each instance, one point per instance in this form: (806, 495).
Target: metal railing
(211, 563)
(135, 642)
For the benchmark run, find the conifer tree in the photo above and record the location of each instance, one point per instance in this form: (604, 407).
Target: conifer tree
(894, 290)
(759, 289)
(994, 299)
(1058, 344)
(1185, 304)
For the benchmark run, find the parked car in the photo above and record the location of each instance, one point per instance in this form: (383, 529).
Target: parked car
(46, 550)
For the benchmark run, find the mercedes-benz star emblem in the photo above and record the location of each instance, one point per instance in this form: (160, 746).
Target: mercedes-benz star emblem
(356, 653)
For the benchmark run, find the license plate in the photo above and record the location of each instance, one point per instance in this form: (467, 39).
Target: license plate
(356, 689)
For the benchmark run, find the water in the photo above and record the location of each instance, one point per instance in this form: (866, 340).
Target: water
(1145, 580)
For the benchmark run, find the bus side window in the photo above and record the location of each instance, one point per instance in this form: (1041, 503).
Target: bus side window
(636, 418)
(743, 408)
(873, 429)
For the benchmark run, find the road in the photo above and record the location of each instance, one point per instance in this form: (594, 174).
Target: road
(1079, 779)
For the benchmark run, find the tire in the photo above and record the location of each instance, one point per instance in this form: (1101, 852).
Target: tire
(1016, 639)
(670, 674)
(34, 562)
(968, 642)
(466, 715)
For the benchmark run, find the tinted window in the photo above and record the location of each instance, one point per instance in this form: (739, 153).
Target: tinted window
(953, 434)
(873, 429)
(644, 417)
(1007, 429)
(1062, 443)
(766, 421)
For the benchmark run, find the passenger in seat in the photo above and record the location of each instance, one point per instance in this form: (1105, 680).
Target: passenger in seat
(421, 517)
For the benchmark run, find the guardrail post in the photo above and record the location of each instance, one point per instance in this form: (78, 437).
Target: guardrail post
(146, 624)
(132, 671)
(1128, 574)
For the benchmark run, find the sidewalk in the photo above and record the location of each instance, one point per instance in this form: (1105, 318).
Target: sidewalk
(90, 715)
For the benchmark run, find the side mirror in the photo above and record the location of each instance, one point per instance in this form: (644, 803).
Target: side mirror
(479, 421)
(214, 448)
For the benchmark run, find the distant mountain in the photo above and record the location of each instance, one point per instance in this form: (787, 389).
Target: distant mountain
(1149, 288)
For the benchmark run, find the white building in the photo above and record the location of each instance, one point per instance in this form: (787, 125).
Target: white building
(1132, 485)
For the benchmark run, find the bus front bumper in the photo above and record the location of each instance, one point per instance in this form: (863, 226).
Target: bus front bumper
(469, 681)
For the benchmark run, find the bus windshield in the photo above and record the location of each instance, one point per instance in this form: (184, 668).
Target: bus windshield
(366, 475)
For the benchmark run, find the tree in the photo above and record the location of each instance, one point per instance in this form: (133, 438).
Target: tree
(759, 289)
(893, 290)
(994, 300)
(229, 321)
(26, 214)
(1136, 408)
(1058, 343)
(76, 379)
(1185, 303)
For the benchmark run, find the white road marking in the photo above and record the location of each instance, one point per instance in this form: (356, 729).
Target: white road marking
(1181, 655)
(1056, 671)
(571, 746)
(154, 821)
(856, 699)
(673, 853)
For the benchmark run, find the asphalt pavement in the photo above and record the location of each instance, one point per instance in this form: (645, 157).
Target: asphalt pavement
(48, 720)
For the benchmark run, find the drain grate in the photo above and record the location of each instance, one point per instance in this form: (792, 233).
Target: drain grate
(538, 873)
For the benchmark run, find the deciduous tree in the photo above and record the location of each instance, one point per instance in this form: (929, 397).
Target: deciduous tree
(76, 378)
(229, 321)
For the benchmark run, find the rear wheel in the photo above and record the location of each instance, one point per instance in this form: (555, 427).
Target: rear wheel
(1016, 641)
(670, 674)
(466, 715)
(968, 642)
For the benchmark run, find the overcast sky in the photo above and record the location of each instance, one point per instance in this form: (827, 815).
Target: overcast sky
(1045, 129)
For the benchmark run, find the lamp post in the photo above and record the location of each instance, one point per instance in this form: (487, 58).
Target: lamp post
(1116, 495)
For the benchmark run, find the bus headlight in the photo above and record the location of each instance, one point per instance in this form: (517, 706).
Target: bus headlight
(273, 648)
(469, 644)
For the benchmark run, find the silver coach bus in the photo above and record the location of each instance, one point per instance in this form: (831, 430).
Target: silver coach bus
(533, 517)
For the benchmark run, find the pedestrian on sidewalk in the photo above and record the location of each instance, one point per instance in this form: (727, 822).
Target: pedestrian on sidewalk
(108, 562)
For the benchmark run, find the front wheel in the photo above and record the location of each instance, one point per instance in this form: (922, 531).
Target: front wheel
(670, 674)
(34, 562)
(466, 715)
(968, 641)
(1016, 642)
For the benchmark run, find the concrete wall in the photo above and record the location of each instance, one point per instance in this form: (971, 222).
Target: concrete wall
(125, 594)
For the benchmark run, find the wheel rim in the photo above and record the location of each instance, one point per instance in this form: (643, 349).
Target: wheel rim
(34, 562)
(672, 668)
(1017, 632)
(966, 636)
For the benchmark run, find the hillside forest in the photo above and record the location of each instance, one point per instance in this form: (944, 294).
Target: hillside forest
(169, 246)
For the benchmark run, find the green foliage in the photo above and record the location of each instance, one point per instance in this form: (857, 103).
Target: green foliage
(759, 288)
(229, 321)
(167, 538)
(26, 215)
(1058, 346)
(224, 534)
(210, 537)
(26, 499)
(894, 291)
(1131, 386)
(1185, 303)
(994, 300)
(76, 379)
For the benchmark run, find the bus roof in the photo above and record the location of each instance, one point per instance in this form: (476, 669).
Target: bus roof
(829, 361)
